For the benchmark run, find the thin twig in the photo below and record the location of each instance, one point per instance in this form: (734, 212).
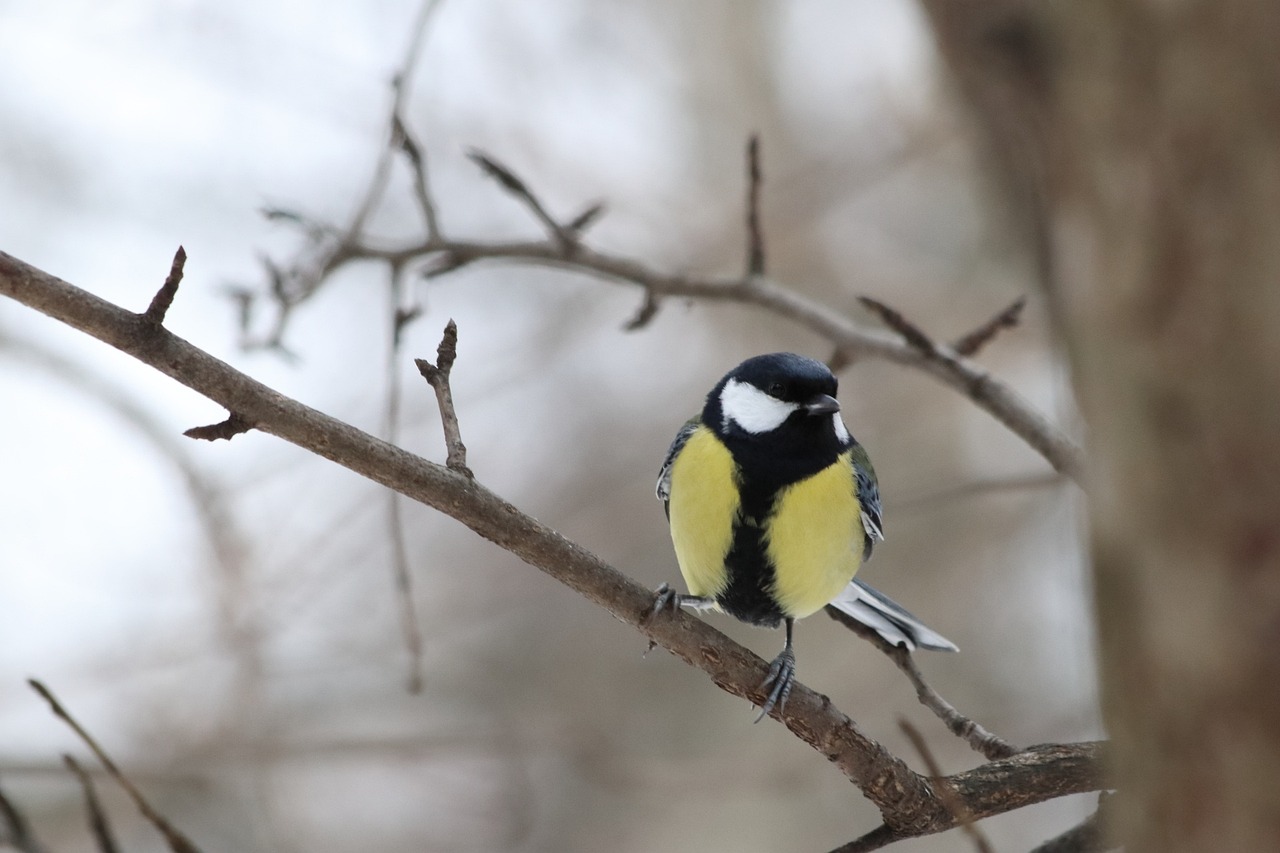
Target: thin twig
(14, 829)
(402, 137)
(177, 842)
(647, 311)
(950, 798)
(164, 296)
(512, 183)
(403, 314)
(1088, 836)
(98, 824)
(584, 220)
(438, 376)
(755, 235)
(969, 345)
(880, 837)
(400, 86)
(978, 738)
(235, 424)
(910, 332)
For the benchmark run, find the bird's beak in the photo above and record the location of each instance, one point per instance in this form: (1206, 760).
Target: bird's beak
(822, 404)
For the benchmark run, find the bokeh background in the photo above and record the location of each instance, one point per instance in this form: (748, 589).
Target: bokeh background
(224, 616)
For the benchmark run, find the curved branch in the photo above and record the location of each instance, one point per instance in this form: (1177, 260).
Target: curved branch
(903, 797)
(848, 338)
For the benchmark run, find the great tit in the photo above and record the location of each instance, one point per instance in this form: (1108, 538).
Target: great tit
(774, 506)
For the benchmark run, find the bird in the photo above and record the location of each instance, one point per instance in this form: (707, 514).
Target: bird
(773, 507)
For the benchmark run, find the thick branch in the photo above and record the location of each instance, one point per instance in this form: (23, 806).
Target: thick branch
(903, 797)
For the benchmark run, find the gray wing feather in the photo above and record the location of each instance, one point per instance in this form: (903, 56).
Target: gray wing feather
(869, 497)
(664, 476)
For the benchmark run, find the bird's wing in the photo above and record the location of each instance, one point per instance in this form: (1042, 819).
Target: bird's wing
(664, 476)
(889, 619)
(868, 497)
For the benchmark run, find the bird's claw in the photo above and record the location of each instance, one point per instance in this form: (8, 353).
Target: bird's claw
(666, 598)
(782, 675)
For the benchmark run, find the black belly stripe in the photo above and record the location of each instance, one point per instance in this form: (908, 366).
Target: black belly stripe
(749, 593)
(748, 596)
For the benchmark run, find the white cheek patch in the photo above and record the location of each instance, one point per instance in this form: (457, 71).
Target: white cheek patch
(842, 432)
(753, 410)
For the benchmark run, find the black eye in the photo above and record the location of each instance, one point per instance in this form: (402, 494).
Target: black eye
(778, 389)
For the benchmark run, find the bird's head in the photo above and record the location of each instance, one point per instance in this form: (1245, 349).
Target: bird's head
(778, 398)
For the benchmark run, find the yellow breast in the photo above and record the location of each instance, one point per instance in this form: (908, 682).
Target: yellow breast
(704, 504)
(814, 539)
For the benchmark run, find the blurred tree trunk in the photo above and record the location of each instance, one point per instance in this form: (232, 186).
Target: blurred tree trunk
(1141, 140)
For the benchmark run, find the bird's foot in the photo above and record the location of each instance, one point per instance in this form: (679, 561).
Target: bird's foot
(665, 598)
(782, 675)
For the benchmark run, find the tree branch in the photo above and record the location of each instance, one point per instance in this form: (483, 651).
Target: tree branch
(14, 829)
(850, 339)
(903, 797)
(177, 842)
(437, 375)
(164, 296)
(98, 824)
(945, 792)
(978, 738)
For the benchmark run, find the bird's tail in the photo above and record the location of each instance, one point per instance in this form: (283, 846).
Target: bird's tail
(889, 619)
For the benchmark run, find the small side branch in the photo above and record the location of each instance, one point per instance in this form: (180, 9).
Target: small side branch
(403, 138)
(910, 332)
(15, 832)
(946, 793)
(972, 343)
(403, 314)
(979, 739)
(755, 235)
(438, 376)
(98, 824)
(164, 296)
(177, 842)
(1085, 837)
(509, 181)
(228, 429)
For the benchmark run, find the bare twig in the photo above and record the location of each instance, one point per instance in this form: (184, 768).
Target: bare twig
(164, 296)
(98, 824)
(970, 344)
(1088, 836)
(880, 837)
(400, 84)
(755, 235)
(177, 842)
(564, 237)
(15, 832)
(584, 220)
(403, 138)
(438, 376)
(904, 798)
(235, 424)
(403, 314)
(648, 310)
(978, 738)
(910, 332)
(943, 788)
